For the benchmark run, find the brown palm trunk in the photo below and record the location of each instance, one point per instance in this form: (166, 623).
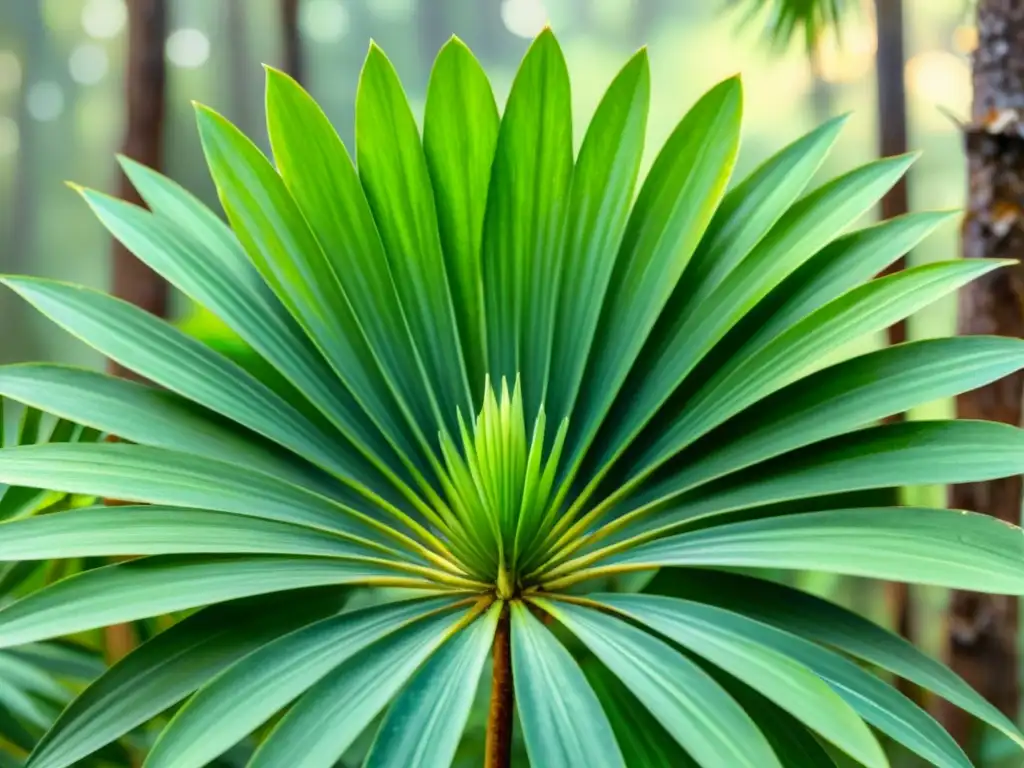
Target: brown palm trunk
(132, 280)
(982, 631)
(291, 42)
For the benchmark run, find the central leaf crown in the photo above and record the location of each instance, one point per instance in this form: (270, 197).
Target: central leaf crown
(501, 488)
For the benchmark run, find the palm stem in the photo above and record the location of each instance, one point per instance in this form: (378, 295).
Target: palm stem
(499, 720)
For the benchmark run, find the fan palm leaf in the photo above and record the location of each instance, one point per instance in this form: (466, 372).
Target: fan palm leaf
(506, 374)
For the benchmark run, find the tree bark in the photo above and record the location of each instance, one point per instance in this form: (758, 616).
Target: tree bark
(144, 91)
(291, 41)
(892, 140)
(982, 630)
(134, 281)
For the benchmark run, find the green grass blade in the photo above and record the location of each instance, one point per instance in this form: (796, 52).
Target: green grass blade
(562, 719)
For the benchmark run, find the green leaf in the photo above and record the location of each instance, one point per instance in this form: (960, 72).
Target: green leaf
(840, 398)
(318, 729)
(599, 202)
(829, 624)
(526, 205)
(793, 744)
(208, 265)
(394, 173)
(158, 351)
(749, 211)
(960, 550)
(671, 214)
(913, 453)
(681, 342)
(151, 586)
(158, 476)
(764, 366)
(253, 689)
(155, 530)
(164, 670)
(424, 725)
(840, 266)
(733, 644)
(562, 719)
(460, 132)
(29, 427)
(150, 416)
(875, 701)
(699, 714)
(318, 172)
(281, 244)
(642, 739)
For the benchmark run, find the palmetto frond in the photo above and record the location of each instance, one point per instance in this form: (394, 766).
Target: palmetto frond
(786, 20)
(507, 373)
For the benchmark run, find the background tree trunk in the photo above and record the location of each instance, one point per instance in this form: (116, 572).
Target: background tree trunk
(291, 41)
(982, 631)
(892, 140)
(132, 280)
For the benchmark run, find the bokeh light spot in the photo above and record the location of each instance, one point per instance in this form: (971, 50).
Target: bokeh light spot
(188, 48)
(324, 21)
(45, 101)
(104, 19)
(88, 64)
(524, 18)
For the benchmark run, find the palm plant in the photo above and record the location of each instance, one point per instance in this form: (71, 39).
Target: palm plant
(501, 382)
